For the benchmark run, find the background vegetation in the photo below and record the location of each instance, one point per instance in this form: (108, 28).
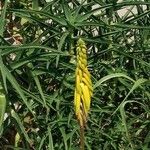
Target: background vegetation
(37, 65)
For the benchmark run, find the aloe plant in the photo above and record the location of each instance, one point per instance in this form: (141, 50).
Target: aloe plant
(37, 71)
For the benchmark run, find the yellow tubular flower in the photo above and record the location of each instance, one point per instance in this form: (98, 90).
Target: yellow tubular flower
(83, 88)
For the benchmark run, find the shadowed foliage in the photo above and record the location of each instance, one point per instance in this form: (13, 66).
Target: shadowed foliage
(37, 73)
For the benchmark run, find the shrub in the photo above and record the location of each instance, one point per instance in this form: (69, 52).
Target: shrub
(37, 65)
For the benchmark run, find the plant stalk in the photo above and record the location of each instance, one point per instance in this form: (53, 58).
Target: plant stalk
(82, 138)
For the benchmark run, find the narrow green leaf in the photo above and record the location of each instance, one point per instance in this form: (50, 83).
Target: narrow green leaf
(42, 142)
(24, 12)
(123, 116)
(39, 88)
(16, 117)
(136, 85)
(2, 18)
(35, 4)
(11, 49)
(137, 17)
(60, 45)
(50, 145)
(81, 18)
(2, 109)
(2, 74)
(135, 58)
(115, 75)
(15, 84)
(117, 25)
(64, 137)
(68, 13)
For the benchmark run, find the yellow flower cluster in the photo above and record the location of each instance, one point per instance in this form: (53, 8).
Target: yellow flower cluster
(83, 88)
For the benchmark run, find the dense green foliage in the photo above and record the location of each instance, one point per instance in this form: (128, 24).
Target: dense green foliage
(37, 65)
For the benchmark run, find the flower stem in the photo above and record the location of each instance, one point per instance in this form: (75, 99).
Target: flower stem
(82, 138)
